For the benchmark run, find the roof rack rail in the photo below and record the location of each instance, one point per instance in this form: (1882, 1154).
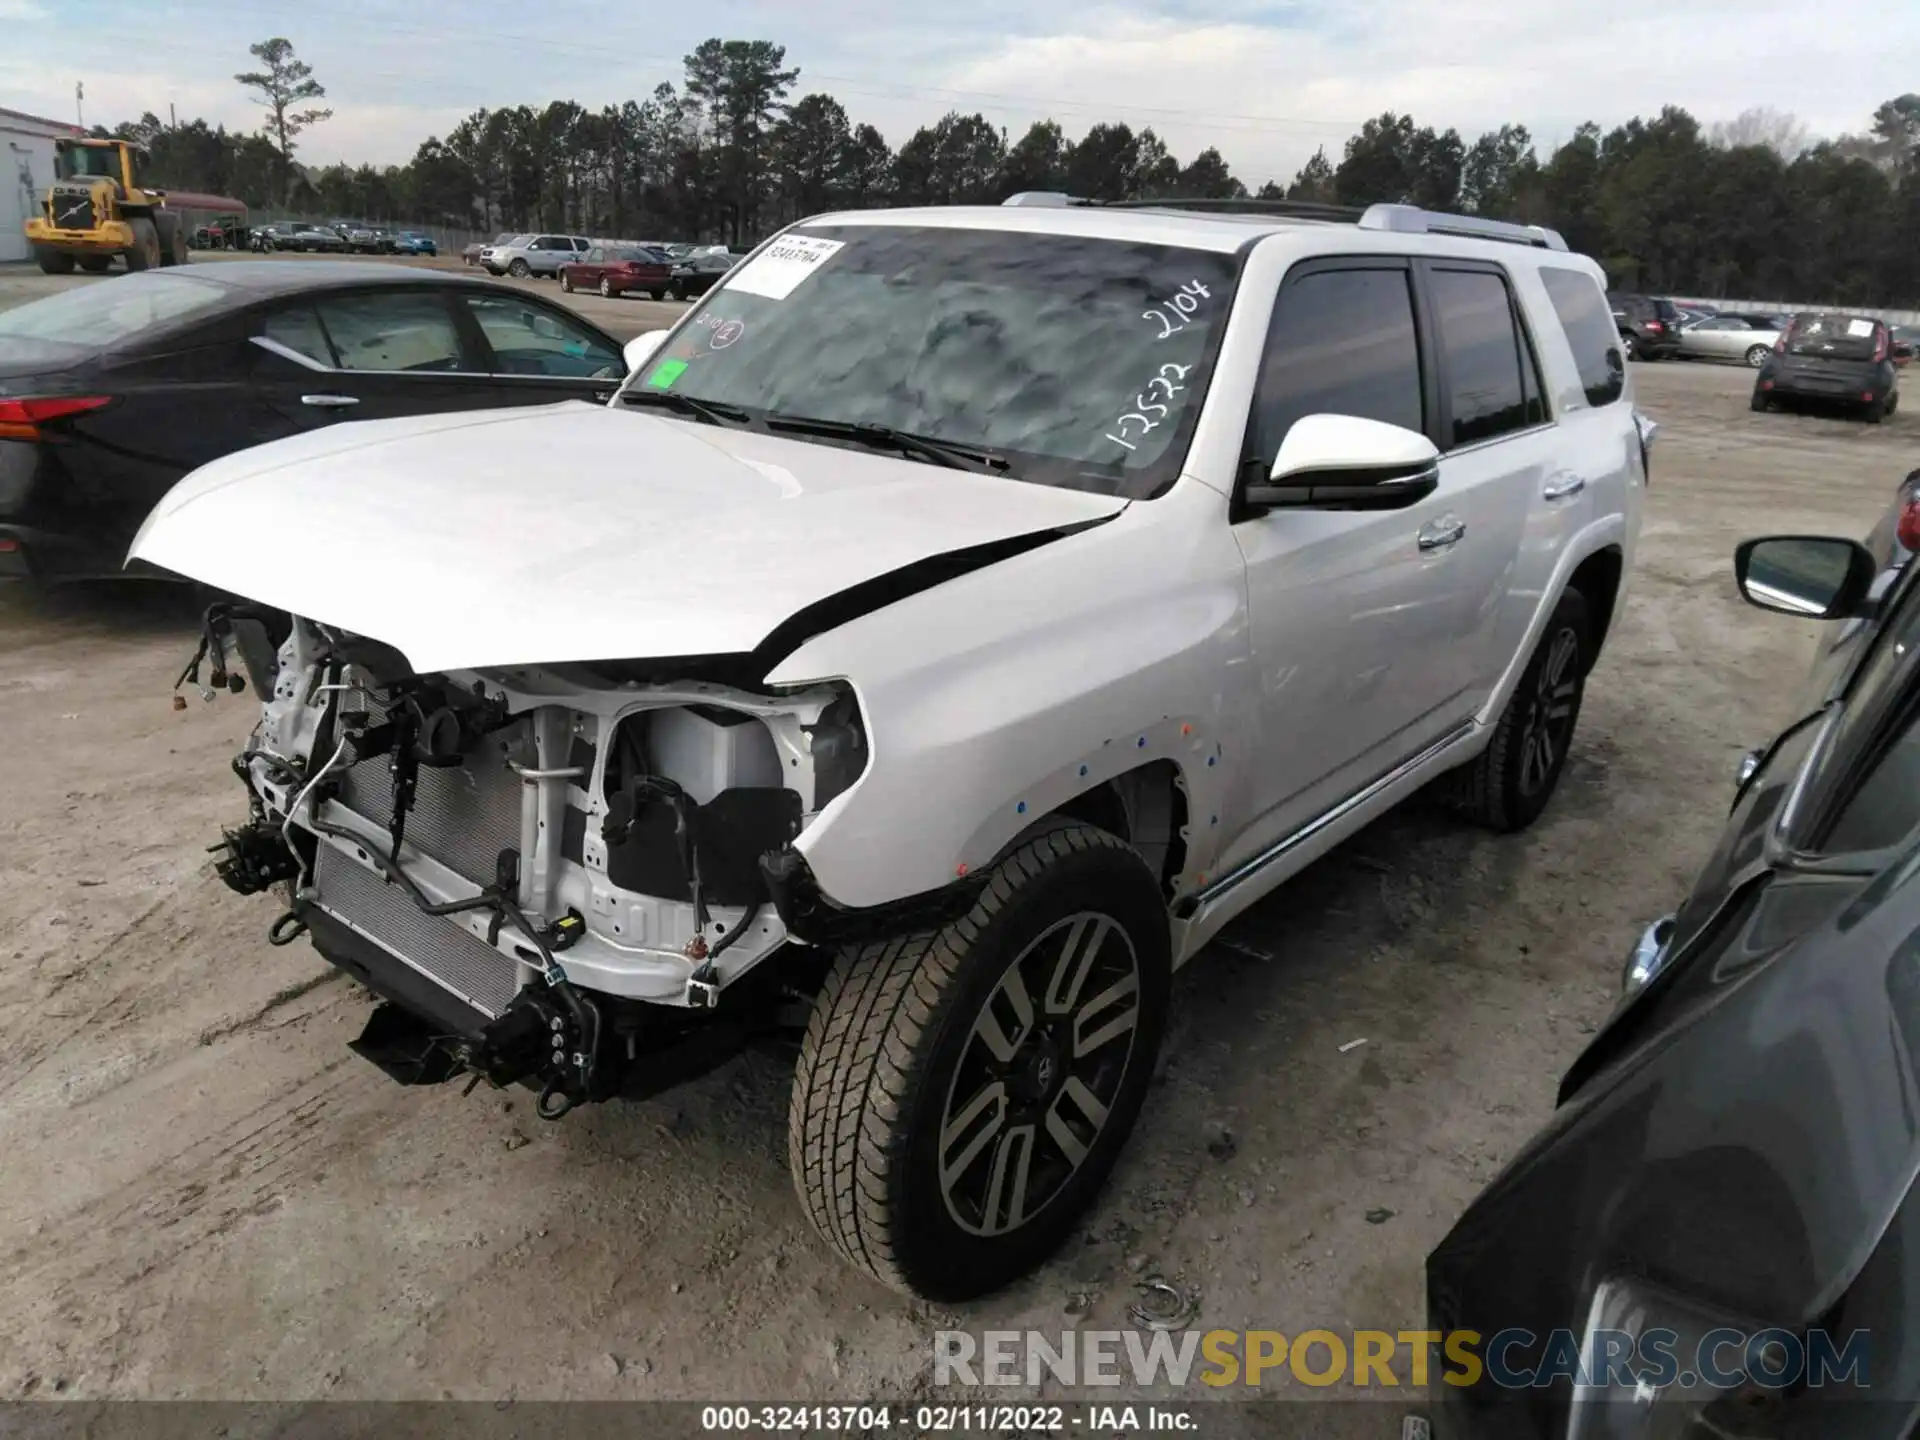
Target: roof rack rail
(1411, 219)
(1404, 219)
(1054, 199)
(1247, 205)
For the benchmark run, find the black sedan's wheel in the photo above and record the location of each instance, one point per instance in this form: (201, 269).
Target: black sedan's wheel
(1627, 344)
(1757, 355)
(1508, 784)
(961, 1095)
(1760, 400)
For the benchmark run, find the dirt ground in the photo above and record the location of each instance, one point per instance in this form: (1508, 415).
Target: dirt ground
(204, 1194)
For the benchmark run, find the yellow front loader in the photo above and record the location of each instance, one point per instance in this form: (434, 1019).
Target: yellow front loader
(97, 208)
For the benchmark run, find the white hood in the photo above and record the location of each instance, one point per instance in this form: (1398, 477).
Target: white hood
(570, 532)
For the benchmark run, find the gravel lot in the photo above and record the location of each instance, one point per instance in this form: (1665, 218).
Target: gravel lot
(206, 1195)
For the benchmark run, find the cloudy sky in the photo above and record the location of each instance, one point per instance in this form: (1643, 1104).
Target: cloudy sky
(1264, 80)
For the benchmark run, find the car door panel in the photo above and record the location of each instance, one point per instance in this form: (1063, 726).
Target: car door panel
(1500, 467)
(341, 357)
(1351, 618)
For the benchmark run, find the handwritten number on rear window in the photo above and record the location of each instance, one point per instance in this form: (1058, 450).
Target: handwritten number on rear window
(1164, 383)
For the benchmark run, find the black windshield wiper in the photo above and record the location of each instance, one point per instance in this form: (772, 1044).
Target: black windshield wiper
(714, 412)
(885, 437)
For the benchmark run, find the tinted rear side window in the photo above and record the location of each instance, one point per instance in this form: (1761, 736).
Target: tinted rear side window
(1482, 356)
(1342, 342)
(1590, 331)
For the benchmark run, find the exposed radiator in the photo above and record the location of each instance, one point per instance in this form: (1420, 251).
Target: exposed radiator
(463, 817)
(437, 946)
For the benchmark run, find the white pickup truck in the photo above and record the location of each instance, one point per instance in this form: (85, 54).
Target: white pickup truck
(957, 618)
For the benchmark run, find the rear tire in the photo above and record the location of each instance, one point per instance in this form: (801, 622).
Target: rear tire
(1876, 412)
(145, 254)
(173, 239)
(1508, 784)
(949, 1120)
(566, 283)
(606, 288)
(1757, 356)
(1760, 401)
(1629, 346)
(53, 262)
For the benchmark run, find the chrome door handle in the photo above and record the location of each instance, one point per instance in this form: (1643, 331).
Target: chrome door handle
(1561, 486)
(1439, 534)
(330, 402)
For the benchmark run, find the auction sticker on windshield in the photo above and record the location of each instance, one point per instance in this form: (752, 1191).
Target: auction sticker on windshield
(778, 270)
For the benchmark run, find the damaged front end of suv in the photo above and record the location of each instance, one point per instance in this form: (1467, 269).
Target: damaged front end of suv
(550, 875)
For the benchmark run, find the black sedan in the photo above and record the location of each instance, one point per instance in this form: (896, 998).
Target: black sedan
(112, 391)
(1846, 361)
(1718, 1233)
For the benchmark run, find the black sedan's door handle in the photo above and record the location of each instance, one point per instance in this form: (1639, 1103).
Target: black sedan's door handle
(330, 402)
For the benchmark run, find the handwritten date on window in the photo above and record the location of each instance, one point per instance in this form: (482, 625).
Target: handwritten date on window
(1174, 313)
(1160, 390)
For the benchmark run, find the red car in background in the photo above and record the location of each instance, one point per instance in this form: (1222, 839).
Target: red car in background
(618, 270)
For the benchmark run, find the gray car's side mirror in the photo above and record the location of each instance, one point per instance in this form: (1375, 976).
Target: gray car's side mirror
(1348, 463)
(1817, 577)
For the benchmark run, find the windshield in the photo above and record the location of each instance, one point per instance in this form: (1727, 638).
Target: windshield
(1081, 361)
(91, 317)
(82, 162)
(1840, 337)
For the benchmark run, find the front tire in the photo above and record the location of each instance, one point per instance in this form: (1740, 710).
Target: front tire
(1508, 784)
(962, 1094)
(145, 254)
(53, 262)
(519, 269)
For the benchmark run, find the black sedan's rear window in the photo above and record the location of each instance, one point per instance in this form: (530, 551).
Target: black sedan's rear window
(93, 316)
(1836, 337)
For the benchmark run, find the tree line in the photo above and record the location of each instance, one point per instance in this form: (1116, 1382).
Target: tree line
(1753, 207)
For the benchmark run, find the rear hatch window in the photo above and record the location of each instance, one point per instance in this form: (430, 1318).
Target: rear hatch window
(1835, 337)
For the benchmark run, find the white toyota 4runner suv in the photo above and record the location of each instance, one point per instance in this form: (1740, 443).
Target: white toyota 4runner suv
(956, 618)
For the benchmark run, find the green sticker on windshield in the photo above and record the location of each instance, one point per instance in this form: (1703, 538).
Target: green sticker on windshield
(665, 373)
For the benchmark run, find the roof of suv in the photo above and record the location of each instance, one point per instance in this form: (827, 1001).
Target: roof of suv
(1222, 230)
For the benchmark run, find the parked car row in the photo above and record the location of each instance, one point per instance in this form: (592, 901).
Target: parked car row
(612, 267)
(341, 238)
(1848, 361)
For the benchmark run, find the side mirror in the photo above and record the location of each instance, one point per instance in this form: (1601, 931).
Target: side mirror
(638, 350)
(1816, 577)
(1344, 462)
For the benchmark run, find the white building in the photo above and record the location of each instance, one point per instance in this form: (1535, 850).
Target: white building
(26, 169)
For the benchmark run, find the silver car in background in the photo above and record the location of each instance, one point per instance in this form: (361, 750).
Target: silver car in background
(526, 255)
(1745, 338)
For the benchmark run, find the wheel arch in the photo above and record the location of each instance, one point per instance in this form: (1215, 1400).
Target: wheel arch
(1598, 578)
(1597, 556)
(1145, 806)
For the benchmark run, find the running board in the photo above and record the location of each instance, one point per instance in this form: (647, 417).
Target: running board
(1240, 874)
